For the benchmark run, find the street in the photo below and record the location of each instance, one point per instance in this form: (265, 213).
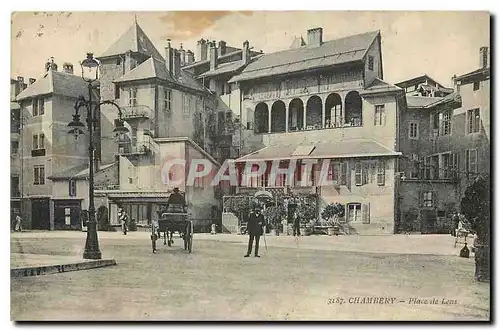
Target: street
(291, 281)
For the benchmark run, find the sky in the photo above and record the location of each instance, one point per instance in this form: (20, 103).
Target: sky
(437, 43)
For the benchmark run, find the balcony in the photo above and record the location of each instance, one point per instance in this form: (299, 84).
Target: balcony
(15, 193)
(129, 149)
(136, 112)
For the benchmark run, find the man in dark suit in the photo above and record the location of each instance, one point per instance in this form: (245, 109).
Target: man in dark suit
(255, 230)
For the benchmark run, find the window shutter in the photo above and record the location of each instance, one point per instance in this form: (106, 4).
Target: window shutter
(343, 173)
(365, 173)
(366, 213)
(384, 116)
(358, 173)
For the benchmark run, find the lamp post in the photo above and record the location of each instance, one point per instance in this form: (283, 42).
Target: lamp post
(90, 73)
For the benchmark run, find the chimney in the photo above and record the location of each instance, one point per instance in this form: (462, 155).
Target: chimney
(213, 56)
(189, 57)
(182, 51)
(201, 54)
(32, 80)
(169, 57)
(222, 47)
(176, 63)
(245, 57)
(314, 37)
(51, 65)
(484, 57)
(68, 68)
(130, 62)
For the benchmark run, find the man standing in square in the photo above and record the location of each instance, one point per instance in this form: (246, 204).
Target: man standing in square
(255, 230)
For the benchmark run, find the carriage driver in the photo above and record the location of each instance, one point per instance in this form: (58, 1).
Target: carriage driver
(177, 199)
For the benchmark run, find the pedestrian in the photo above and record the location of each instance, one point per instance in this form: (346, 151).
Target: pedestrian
(19, 226)
(123, 217)
(296, 224)
(255, 230)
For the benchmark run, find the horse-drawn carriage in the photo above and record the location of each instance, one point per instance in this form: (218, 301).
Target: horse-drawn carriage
(172, 218)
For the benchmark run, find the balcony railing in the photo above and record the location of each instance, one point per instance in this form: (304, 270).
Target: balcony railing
(139, 111)
(15, 193)
(140, 148)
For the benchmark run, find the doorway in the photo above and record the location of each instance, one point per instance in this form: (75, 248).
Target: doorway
(40, 214)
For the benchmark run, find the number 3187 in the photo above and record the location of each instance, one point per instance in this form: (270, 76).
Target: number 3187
(332, 301)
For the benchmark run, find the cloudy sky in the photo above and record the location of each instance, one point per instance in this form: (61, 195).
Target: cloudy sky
(439, 44)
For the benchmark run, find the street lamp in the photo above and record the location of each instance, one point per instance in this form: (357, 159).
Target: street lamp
(90, 71)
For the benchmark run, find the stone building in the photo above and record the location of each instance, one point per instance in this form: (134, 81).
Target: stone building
(46, 108)
(167, 113)
(16, 86)
(446, 145)
(326, 100)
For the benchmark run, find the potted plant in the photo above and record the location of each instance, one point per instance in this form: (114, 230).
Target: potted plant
(307, 213)
(332, 215)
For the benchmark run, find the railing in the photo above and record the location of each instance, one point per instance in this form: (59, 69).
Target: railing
(140, 148)
(139, 111)
(15, 193)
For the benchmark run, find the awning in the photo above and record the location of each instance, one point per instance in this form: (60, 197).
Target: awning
(322, 150)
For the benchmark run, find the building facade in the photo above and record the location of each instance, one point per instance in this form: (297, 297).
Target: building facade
(326, 101)
(46, 108)
(446, 145)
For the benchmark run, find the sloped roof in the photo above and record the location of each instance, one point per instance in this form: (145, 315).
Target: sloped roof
(135, 40)
(323, 149)
(80, 171)
(420, 102)
(481, 71)
(333, 52)
(224, 69)
(154, 68)
(58, 83)
(416, 80)
(379, 86)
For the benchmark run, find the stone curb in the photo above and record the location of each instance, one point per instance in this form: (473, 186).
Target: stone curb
(58, 268)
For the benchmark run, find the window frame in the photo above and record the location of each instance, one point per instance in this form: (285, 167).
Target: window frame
(14, 151)
(39, 174)
(428, 199)
(38, 141)
(34, 107)
(185, 104)
(72, 188)
(132, 96)
(476, 87)
(410, 131)
(473, 120)
(381, 172)
(468, 153)
(167, 99)
(379, 115)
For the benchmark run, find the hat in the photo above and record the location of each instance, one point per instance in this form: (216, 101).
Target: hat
(176, 189)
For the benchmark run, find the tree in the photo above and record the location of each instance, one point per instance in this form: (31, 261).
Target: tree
(475, 205)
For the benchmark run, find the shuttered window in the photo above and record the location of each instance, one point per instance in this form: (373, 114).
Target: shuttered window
(381, 173)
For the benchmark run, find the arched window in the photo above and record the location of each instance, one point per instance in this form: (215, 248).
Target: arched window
(278, 116)
(353, 109)
(333, 111)
(261, 118)
(296, 115)
(314, 110)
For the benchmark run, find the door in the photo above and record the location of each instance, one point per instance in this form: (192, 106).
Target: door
(40, 214)
(67, 215)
